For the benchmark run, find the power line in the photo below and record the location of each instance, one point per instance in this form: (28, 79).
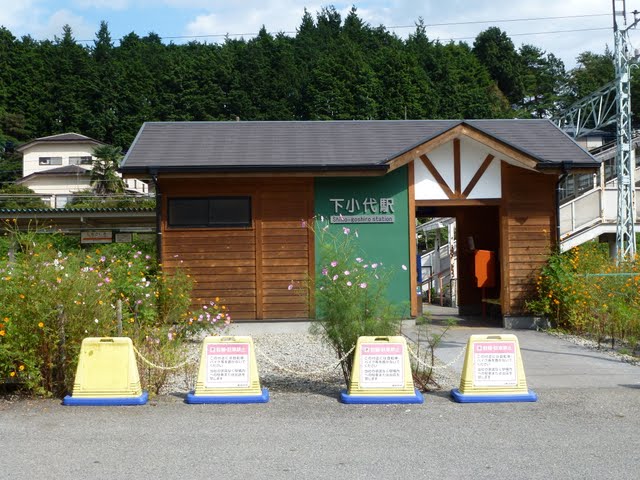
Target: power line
(508, 20)
(396, 27)
(548, 32)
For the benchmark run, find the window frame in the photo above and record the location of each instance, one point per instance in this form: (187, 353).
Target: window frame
(209, 224)
(82, 160)
(44, 161)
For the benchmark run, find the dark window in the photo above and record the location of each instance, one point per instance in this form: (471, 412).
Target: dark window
(80, 160)
(210, 212)
(50, 160)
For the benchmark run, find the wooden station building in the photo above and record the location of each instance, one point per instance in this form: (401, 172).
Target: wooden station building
(234, 198)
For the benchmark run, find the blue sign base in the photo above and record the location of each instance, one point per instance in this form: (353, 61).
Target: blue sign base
(105, 401)
(466, 398)
(192, 398)
(380, 399)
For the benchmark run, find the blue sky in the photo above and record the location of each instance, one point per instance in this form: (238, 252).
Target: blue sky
(177, 18)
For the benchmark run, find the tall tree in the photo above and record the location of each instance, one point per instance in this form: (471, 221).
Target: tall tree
(103, 92)
(69, 65)
(544, 83)
(496, 52)
(592, 72)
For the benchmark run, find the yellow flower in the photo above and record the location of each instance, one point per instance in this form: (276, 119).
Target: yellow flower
(21, 367)
(41, 325)
(12, 374)
(21, 296)
(99, 302)
(2, 333)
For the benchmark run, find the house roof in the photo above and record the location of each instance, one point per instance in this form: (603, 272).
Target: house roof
(67, 170)
(60, 138)
(329, 145)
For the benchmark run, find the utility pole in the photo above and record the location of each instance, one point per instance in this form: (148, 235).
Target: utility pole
(625, 168)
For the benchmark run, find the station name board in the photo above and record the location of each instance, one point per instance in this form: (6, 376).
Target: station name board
(362, 210)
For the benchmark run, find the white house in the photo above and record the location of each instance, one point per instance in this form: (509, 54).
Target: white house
(57, 166)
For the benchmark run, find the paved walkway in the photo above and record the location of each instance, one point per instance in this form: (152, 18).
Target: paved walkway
(585, 425)
(549, 361)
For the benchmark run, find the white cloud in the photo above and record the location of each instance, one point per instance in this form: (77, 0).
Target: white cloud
(53, 26)
(103, 4)
(275, 15)
(16, 15)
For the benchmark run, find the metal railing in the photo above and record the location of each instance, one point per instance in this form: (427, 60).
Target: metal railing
(66, 200)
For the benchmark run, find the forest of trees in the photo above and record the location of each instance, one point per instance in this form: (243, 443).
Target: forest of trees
(333, 68)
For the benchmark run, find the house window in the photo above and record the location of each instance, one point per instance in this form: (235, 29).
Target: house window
(215, 212)
(80, 160)
(50, 160)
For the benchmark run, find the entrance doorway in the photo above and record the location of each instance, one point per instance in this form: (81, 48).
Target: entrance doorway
(449, 238)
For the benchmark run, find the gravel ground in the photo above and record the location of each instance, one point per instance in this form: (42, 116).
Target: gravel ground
(290, 362)
(604, 347)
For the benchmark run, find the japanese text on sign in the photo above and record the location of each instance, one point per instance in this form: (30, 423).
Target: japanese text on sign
(367, 210)
(381, 365)
(227, 365)
(494, 364)
(367, 205)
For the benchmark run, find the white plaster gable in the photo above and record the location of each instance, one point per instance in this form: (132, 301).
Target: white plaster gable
(473, 154)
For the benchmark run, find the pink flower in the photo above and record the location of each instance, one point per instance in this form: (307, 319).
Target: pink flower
(374, 265)
(349, 284)
(303, 224)
(346, 230)
(290, 287)
(359, 260)
(334, 263)
(325, 271)
(335, 277)
(347, 272)
(363, 285)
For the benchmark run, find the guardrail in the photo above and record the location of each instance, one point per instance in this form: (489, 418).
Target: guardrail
(31, 201)
(592, 208)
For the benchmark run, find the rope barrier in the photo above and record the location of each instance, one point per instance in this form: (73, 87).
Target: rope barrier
(160, 367)
(297, 372)
(435, 367)
(320, 370)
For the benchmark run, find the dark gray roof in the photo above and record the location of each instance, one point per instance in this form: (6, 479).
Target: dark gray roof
(67, 170)
(326, 145)
(70, 137)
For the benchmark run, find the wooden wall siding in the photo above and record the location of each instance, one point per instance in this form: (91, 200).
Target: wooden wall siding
(249, 269)
(528, 236)
(222, 262)
(285, 259)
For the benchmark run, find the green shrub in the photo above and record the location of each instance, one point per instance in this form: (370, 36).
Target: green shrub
(50, 300)
(19, 196)
(586, 292)
(350, 295)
